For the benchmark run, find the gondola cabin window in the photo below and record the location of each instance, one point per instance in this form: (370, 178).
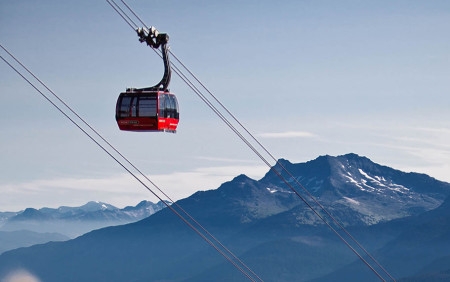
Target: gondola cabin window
(147, 107)
(168, 106)
(125, 107)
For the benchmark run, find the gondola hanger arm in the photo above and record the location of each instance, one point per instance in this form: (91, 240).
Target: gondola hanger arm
(155, 39)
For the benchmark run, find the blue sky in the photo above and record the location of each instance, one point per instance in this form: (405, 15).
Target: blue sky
(308, 78)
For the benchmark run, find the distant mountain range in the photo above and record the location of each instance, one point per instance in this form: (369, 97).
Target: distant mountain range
(35, 226)
(402, 219)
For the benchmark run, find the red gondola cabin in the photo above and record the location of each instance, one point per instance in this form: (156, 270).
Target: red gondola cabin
(140, 110)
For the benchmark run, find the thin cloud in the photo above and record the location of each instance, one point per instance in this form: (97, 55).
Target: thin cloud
(226, 160)
(119, 190)
(287, 134)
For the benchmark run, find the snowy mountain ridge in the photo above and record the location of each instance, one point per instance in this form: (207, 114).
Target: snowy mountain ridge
(376, 192)
(76, 220)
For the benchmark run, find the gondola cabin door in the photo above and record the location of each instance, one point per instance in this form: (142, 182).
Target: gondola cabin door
(139, 110)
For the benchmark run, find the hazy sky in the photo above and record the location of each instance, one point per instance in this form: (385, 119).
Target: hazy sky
(308, 78)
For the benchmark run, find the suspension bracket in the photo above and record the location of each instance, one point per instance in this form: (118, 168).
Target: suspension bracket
(152, 36)
(155, 39)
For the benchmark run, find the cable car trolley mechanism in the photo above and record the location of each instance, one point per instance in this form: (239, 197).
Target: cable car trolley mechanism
(150, 109)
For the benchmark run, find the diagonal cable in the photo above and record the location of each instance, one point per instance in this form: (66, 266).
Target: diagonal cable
(190, 225)
(221, 116)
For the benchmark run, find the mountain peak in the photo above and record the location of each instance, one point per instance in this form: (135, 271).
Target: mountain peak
(30, 214)
(97, 206)
(241, 178)
(377, 192)
(283, 162)
(352, 156)
(346, 158)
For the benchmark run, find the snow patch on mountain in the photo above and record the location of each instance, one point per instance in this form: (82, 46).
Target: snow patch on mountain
(271, 190)
(351, 180)
(352, 201)
(381, 182)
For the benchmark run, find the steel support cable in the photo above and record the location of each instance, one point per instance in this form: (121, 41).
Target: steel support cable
(122, 14)
(230, 125)
(146, 177)
(127, 19)
(190, 225)
(221, 116)
(132, 11)
(283, 168)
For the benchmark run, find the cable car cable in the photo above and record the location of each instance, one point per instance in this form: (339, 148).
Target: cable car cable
(114, 158)
(129, 171)
(131, 10)
(192, 86)
(122, 14)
